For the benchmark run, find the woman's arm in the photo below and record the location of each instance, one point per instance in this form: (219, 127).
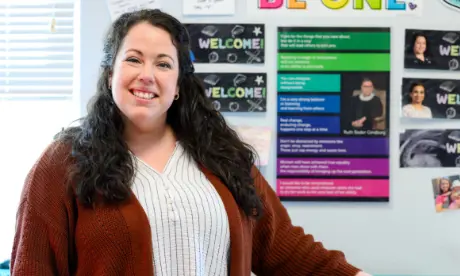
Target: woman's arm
(279, 248)
(41, 242)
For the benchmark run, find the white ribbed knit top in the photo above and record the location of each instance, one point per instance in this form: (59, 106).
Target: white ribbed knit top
(190, 230)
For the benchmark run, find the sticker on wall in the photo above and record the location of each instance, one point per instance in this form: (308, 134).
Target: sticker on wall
(430, 98)
(228, 43)
(435, 148)
(432, 50)
(236, 92)
(453, 4)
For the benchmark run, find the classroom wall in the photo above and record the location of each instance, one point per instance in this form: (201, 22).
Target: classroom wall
(404, 236)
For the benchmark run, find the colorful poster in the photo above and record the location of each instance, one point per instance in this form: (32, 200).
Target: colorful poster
(227, 43)
(335, 8)
(236, 92)
(430, 98)
(333, 112)
(432, 50)
(446, 191)
(435, 148)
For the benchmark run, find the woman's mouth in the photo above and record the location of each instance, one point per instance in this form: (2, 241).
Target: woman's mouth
(143, 95)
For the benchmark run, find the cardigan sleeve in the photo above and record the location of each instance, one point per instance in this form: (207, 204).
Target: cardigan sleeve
(279, 248)
(41, 241)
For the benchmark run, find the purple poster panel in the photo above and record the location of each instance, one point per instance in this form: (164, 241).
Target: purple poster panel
(333, 114)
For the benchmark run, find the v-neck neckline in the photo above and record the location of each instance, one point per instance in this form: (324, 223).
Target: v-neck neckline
(166, 168)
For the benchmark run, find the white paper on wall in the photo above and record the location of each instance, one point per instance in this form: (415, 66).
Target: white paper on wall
(208, 7)
(118, 7)
(259, 138)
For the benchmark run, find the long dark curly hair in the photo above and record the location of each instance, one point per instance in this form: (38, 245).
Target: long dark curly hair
(104, 168)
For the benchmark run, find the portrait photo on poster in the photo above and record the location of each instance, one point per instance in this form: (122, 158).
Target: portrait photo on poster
(432, 50)
(227, 43)
(236, 92)
(446, 190)
(430, 98)
(435, 148)
(365, 103)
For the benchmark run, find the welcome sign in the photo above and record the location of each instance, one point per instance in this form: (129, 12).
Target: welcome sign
(236, 92)
(316, 8)
(227, 43)
(432, 49)
(435, 98)
(435, 148)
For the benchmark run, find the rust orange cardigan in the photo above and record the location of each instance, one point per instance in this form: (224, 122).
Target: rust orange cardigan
(55, 235)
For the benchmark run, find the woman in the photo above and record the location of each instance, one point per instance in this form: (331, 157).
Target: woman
(416, 109)
(365, 107)
(158, 184)
(419, 51)
(442, 199)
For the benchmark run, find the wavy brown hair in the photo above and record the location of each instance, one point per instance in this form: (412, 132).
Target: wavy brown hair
(104, 168)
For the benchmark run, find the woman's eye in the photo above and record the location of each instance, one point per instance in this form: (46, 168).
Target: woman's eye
(165, 65)
(133, 60)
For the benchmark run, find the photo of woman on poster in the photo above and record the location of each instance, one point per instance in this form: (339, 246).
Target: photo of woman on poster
(366, 107)
(417, 53)
(415, 108)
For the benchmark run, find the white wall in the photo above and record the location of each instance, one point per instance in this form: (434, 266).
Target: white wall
(404, 236)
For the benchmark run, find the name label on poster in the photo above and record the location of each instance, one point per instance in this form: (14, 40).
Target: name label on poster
(393, 5)
(231, 43)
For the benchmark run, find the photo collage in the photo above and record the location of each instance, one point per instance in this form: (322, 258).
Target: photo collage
(431, 101)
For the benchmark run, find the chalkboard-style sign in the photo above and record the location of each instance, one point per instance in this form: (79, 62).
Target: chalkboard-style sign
(236, 92)
(227, 43)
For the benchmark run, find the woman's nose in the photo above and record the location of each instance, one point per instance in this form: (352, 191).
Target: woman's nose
(147, 75)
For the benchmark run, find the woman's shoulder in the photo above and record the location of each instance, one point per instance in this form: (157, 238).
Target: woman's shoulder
(49, 172)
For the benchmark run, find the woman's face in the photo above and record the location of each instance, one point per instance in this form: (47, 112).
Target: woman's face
(418, 94)
(145, 75)
(420, 45)
(444, 185)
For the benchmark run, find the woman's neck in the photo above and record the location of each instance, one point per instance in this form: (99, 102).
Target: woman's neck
(420, 56)
(139, 140)
(417, 106)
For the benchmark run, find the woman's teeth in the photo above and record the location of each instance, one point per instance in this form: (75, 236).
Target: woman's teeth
(147, 96)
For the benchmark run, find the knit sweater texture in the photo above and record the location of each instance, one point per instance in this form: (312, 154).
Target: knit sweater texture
(57, 235)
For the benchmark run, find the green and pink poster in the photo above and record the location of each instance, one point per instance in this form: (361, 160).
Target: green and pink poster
(333, 114)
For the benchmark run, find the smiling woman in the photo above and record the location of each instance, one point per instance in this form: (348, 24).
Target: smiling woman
(154, 182)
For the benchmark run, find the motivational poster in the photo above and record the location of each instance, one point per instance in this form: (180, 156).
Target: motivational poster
(333, 113)
(236, 92)
(435, 148)
(432, 50)
(335, 8)
(430, 98)
(227, 43)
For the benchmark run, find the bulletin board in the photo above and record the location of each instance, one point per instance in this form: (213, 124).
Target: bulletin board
(354, 106)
